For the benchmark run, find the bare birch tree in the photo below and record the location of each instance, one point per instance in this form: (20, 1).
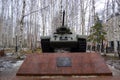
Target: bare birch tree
(21, 24)
(83, 8)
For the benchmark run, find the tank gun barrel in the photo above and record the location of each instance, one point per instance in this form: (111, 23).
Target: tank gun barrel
(63, 18)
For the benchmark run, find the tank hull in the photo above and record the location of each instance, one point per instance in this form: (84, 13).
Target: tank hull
(72, 43)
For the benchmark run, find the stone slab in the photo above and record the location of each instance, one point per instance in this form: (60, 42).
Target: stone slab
(83, 64)
(68, 78)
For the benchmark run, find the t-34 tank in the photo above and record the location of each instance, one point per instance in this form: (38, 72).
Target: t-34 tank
(64, 39)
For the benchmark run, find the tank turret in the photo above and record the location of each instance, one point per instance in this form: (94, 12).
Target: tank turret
(64, 39)
(63, 29)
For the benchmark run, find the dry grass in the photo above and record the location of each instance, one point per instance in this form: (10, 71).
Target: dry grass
(111, 58)
(30, 51)
(27, 51)
(9, 50)
(38, 51)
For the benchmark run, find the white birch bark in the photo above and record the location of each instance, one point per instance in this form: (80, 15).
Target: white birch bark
(21, 24)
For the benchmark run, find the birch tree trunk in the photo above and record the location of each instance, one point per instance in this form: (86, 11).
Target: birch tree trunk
(114, 27)
(118, 3)
(21, 24)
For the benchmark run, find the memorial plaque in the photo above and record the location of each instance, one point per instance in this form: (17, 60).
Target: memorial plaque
(64, 62)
